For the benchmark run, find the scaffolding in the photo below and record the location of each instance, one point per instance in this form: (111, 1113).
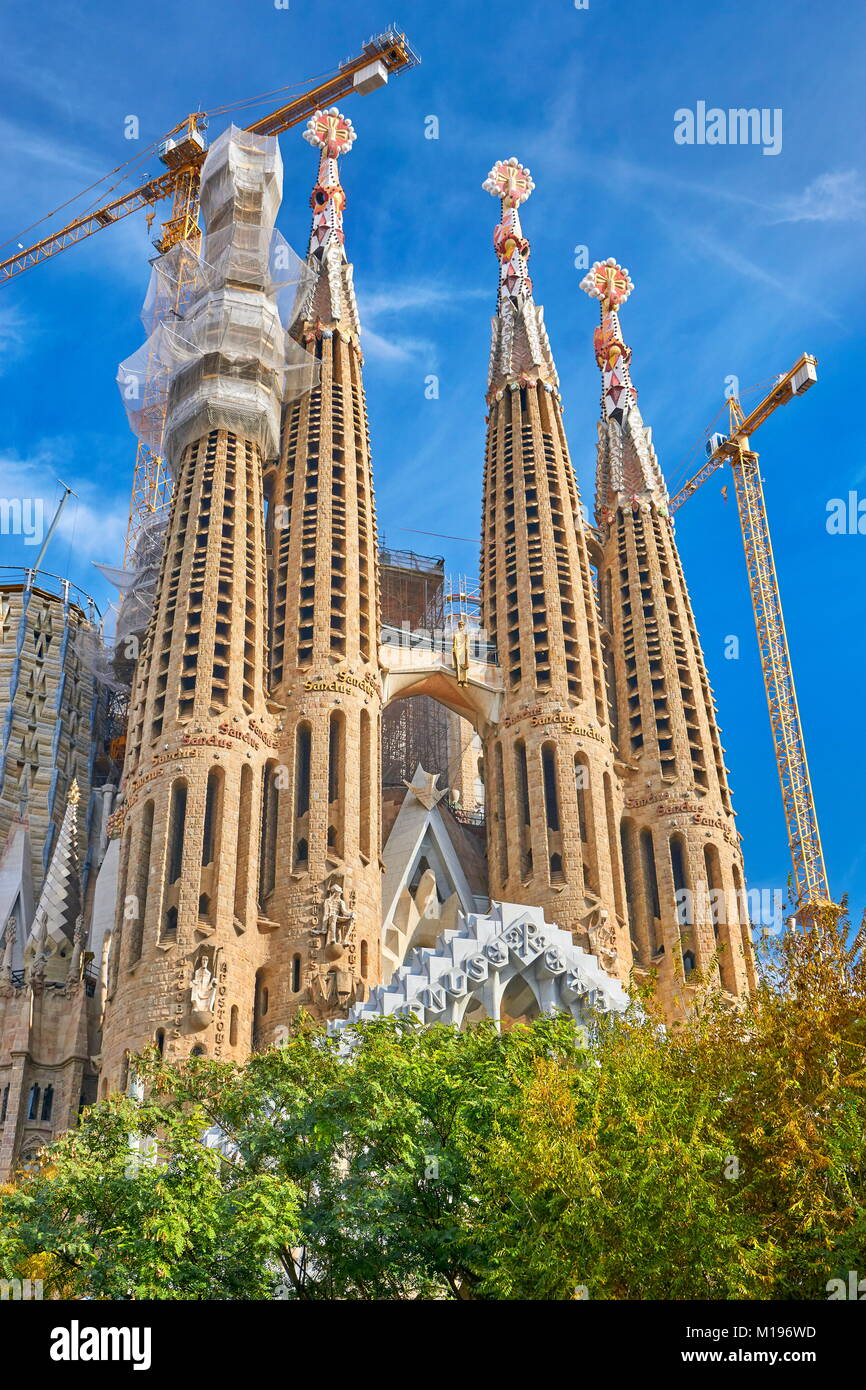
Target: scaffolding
(418, 598)
(413, 730)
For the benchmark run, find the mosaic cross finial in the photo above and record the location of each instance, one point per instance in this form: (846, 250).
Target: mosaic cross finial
(509, 181)
(608, 282)
(331, 132)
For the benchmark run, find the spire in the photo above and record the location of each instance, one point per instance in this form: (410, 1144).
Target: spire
(57, 909)
(628, 472)
(520, 352)
(330, 304)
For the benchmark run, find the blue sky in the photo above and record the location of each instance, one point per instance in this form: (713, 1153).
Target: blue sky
(741, 261)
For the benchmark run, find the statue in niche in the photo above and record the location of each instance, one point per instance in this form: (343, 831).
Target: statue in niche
(337, 918)
(602, 937)
(11, 934)
(202, 991)
(76, 965)
(313, 983)
(460, 652)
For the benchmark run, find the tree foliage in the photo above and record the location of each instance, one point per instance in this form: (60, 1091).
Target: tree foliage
(723, 1159)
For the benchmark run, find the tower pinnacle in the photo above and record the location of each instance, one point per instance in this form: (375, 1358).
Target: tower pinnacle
(611, 285)
(628, 471)
(331, 301)
(520, 353)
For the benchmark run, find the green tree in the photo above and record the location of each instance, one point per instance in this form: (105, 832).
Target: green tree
(722, 1159)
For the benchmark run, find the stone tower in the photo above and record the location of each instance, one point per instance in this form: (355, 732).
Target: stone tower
(684, 868)
(322, 889)
(48, 1010)
(187, 943)
(553, 805)
(53, 711)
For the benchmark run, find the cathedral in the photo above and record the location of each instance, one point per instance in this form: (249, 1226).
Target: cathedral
(259, 852)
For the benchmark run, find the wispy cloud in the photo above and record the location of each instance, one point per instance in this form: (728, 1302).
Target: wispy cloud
(832, 197)
(399, 344)
(397, 348)
(95, 520)
(15, 332)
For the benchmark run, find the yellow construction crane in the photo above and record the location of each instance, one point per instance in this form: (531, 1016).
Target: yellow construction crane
(183, 152)
(810, 875)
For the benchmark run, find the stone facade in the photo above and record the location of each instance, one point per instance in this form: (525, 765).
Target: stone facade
(552, 791)
(684, 867)
(252, 873)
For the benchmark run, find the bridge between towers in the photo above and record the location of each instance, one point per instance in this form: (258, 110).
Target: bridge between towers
(420, 662)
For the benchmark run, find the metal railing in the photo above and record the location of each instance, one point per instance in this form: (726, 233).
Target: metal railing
(438, 642)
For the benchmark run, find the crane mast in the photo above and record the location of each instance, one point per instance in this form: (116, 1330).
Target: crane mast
(789, 745)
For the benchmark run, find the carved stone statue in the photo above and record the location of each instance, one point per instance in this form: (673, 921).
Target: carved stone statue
(10, 936)
(76, 964)
(202, 991)
(460, 652)
(602, 937)
(313, 983)
(337, 918)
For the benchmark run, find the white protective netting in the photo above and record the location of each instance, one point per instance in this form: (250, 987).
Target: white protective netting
(137, 602)
(219, 355)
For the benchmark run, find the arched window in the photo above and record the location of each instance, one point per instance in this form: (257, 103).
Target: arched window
(303, 745)
(522, 780)
(268, 834)
(581, 782)
(363, 960)
(4, 1105)
(212, 808)
(613, 844)
(500, 813)
(233, 1026)
(262, 999)
(586, 824)
(648, 861)
(177, 825)
(245, 823)
(721, 920)
(688, 963)
(303, 754)
(174, 860)
(33, 1104)
(47, 1102)
(681, 883)
(365, 809)
(160, 1041)
(141, 882)
(551, 792)
(296, 974)
(523, 808)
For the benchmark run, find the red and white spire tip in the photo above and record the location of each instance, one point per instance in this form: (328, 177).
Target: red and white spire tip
(611, 285)
(609, 282)
(331, 132)
(510, 181)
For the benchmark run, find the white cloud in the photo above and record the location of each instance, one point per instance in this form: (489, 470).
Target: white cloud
(15, 332)
(839, 197)
(411, 299)
(396, 349)
(94, 522)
